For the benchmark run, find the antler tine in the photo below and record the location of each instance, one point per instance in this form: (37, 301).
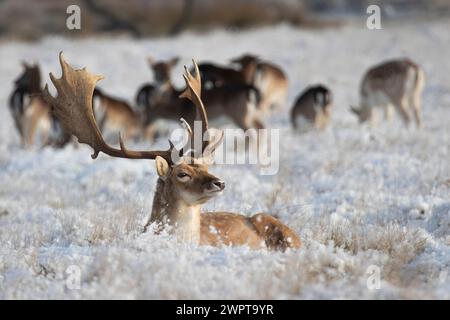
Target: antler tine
(73, 108)
(193, 93)
(186, 126)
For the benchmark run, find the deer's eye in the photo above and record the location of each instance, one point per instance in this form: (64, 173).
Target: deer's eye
(183, 176)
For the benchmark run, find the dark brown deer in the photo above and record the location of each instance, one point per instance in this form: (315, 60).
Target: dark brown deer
(313, 106)
(30, 112)
(184, 182)
(237, 101)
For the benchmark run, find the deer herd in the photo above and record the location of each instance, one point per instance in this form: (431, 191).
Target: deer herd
(244, 93)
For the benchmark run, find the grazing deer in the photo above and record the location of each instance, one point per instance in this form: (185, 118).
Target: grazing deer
(113, 114)
(30, 112)
(313, 105)
(184, 183)
(268, 78)
(398, 83)
(236, 101)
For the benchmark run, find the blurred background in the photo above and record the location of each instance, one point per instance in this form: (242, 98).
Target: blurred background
(30, 20)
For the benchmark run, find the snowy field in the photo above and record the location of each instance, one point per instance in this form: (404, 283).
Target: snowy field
(358, 197)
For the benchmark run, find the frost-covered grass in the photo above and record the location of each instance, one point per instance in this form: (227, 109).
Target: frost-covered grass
(357, 196)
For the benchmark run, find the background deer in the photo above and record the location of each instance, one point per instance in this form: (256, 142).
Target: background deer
(115, 114)
(184, 182)
(237, 102)
(214, 75)
(314, 106)
(396, 83)
(31, 113)
(268, 78)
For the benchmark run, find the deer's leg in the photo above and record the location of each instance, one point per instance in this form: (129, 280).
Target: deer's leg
(19, 121)
(320, 120)
(276, 235)
(388, 114)
(402, 107)
(416, 103)
(46, 141)
(30, 125)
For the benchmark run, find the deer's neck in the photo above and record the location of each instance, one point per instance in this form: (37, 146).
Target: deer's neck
(249, 72)
(169, 209)
(164, 87)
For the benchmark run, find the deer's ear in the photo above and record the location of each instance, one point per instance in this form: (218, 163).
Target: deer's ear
(174, 61)
(162, 167)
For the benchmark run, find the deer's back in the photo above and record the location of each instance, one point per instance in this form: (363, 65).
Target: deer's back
(391, 78)
(272, 71)
(225, 99)
(258, 231)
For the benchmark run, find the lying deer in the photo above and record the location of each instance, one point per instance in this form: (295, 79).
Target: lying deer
(31, 113)
(236, 101)
(398, 83)
(268, 78)
(113, 113)
(314, 106)
(184, 182)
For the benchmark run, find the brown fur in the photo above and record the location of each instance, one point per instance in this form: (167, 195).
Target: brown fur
(30, 111)
(398, 83)
(231, 100)
(37, 114)
(314, 105)
(268, 78)
(175, 199)
(116, 113)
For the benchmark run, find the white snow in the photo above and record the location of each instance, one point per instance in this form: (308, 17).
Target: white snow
(357, 196)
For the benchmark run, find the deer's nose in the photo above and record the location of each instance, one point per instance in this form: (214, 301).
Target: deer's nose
(220, 184)
(216, 185)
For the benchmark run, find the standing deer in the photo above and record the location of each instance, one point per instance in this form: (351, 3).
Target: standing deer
(236, 101)
(313, 105)
(113, 113)
(396, 83)
(184, 183)
(31, 113)
(268, 78)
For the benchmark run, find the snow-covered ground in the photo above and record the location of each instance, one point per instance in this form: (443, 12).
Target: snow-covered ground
(359, 197)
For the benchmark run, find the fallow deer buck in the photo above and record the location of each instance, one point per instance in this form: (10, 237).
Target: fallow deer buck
(268, 78)
(313, 106)
(184, 183)
(116, 114)
(396, 83)
(235, 101)
(31, 114)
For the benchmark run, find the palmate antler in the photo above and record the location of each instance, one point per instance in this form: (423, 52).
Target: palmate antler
(73, 108)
